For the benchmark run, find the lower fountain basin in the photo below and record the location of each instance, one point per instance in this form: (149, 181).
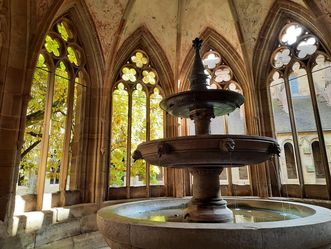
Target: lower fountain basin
(260, 224)
(207, 151)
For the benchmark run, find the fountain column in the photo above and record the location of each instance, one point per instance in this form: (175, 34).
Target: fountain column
(206, 204)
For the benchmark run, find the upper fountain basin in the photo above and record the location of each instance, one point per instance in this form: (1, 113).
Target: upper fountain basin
(221, 101)
(207, 151)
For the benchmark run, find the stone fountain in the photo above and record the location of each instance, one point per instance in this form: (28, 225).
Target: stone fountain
(205, 221)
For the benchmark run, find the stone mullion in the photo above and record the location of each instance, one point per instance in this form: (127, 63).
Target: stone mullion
(148, 137)
(188, 187)
(249, 169)
(66, 146)
(229, 175)
(164, 125)
(78, 136)
(166, 174)
(45, 140)
(128, 148)
(171, 179)
(228, 170)
(294, 134)
(110, 141)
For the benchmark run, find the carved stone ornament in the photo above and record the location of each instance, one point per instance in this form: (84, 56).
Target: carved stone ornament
(163, 148)
(137, 155)
(227, 145)
(274, 149)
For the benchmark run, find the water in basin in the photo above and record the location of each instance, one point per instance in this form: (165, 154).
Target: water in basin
(241, 214)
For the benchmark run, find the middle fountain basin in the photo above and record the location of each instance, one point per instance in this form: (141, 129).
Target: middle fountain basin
(207, 151)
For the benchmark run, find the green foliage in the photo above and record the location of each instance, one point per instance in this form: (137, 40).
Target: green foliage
(119, 137)
(139, 59)
(30, 156)
(72, 55)
(129, 74)
(52, 45)
(138, 135)
(58, 121)
(63, 31)
(156, 116)
(156, 131)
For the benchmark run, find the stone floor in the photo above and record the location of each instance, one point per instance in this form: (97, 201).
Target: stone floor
(92, 240)
(59, 228)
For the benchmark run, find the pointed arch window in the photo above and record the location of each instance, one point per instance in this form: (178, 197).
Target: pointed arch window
(136, 117)
(221, 76)
(49, 157)
(299, 86)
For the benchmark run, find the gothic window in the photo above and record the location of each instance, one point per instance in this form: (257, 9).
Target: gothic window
(221, 76)
(136, 118)
(49, 158)
(299, 87)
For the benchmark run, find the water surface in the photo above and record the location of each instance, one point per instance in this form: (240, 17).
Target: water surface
(240, 215)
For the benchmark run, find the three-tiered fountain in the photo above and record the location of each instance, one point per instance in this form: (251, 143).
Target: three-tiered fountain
(205, 221)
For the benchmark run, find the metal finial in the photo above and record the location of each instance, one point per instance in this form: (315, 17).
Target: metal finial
(198, 76)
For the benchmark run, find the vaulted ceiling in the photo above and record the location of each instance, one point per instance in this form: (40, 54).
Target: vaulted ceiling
(174, 23)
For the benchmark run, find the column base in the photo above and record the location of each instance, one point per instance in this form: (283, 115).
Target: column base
(207, 204)
(211, 211)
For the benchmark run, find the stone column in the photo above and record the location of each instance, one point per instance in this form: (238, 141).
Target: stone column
(206, 204)
(14, 98)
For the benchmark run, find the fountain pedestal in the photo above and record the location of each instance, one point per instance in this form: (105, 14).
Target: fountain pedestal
(207, 204)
